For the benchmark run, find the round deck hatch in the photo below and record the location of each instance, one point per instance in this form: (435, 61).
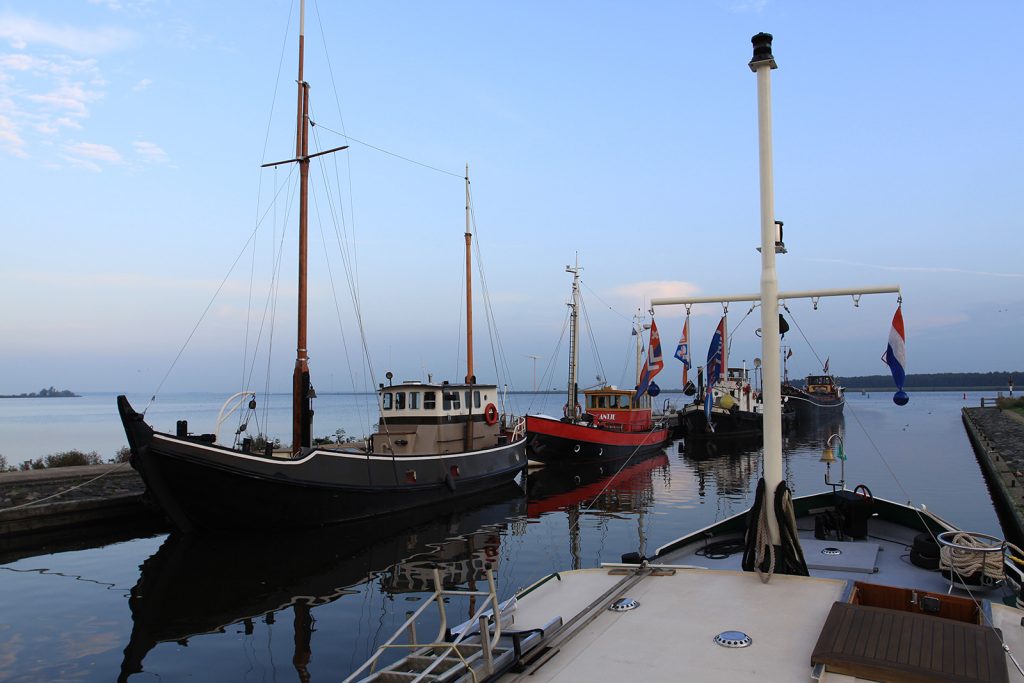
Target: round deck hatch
(831, 551)
(733, 639)
(623, 605)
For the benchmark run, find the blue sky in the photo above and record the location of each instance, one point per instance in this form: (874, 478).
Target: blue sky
(131, 134)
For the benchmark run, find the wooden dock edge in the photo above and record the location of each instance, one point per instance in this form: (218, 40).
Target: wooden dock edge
(1007, 489)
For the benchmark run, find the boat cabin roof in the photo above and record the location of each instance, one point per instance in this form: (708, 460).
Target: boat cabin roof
(609, 397)
(417, 399)
(820, 379)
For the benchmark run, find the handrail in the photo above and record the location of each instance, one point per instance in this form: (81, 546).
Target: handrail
(487, 644)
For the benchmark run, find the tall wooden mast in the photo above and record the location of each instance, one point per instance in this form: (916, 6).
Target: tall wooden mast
(470, 378)
(302, 409)
(302, 391)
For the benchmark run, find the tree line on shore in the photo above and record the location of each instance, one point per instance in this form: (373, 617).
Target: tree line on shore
(45, 393)
(937, 380)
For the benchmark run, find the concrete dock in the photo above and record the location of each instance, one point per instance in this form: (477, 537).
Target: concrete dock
(998, 440)
(41, 508)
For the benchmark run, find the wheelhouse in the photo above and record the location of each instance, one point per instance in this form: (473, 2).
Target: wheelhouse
(447, 418)
(612, 407)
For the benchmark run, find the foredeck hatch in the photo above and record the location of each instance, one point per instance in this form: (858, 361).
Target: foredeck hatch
(882, 644)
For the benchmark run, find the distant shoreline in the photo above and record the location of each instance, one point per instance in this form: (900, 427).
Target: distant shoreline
(45, 393)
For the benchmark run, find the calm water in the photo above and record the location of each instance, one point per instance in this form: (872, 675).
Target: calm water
(312, 606)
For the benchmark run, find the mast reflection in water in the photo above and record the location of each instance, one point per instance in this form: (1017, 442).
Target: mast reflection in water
(596, 488)
(313, 606)
(199, 584)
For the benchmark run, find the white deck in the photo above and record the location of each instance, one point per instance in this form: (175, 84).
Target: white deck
(670, 635)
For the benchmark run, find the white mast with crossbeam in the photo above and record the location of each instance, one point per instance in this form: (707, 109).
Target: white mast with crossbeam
(770, 296)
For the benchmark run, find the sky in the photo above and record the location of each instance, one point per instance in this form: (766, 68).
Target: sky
(132, 134)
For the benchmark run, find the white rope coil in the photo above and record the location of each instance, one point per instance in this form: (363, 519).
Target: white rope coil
(968, 555)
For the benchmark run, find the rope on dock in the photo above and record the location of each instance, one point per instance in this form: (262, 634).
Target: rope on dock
(67, 490)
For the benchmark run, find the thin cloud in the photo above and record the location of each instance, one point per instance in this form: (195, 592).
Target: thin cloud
(21, 32)
(656, 290)
(45, 96)
(142, 85)
(920, 269)
(87, 155)
(748, 6)
(10, 140)
(150, 152)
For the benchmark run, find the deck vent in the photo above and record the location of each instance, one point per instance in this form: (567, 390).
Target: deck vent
(733, 639)
(831, 551)
(623, 605)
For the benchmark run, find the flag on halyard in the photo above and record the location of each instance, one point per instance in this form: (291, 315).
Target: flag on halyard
(683, 350)
(789, 354)
(715, 365)
(654, 362)
(896, 357)
(826, 366)
(716, 355)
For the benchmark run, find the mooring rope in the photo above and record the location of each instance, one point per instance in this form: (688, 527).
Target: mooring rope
(67, 490)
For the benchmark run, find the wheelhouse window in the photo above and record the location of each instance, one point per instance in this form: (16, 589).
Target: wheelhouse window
(429, 400)
(414, 400)
(476, 399)
(387, 400)
(602, 401)
(399, 400)
(624, 400)
(451, 400)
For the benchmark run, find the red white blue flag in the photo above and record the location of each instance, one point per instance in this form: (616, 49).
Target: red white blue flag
(654, 363)
(896, 357)
(683, 350)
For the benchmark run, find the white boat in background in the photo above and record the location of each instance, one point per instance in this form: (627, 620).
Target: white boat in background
(836, 587)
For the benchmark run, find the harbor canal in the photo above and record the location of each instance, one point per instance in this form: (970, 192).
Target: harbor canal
(314, 605)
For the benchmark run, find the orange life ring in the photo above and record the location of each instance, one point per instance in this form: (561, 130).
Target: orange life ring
(491, 414)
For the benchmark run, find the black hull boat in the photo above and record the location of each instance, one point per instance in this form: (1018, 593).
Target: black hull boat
(211, 487)
(433, 441)
(734, 424)
(819, 398)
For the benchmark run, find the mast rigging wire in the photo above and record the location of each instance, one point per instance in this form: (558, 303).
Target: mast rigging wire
(460, 176)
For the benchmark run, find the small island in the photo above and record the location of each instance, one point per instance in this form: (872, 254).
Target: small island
(45, 393)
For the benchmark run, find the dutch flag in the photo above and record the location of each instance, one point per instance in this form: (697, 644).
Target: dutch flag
(896, 357)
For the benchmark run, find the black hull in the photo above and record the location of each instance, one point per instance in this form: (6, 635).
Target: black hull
(555, 450)
(810, 409)
(207, 487)
(733, 424)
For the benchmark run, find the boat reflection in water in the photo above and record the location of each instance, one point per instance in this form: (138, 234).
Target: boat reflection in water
(733, 465)
(198, 584)
(604, 488)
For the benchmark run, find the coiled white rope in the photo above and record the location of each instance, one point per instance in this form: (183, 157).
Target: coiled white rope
(968, 555)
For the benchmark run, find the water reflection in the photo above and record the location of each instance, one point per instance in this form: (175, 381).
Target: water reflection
(812, 433)
(197, 584)
(606, 488)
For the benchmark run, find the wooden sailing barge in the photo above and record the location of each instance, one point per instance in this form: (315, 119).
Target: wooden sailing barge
(433, 441)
